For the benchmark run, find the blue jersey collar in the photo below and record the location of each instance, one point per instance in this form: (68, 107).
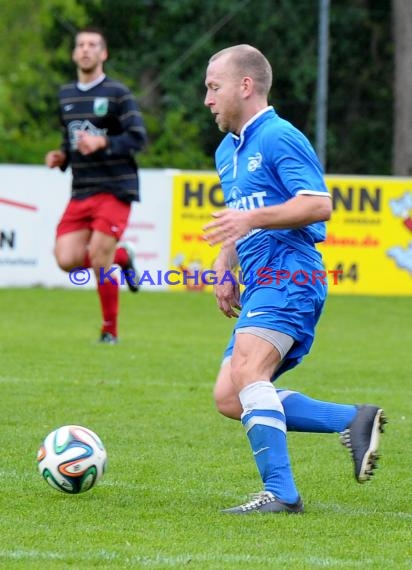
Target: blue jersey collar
(249, 127)
(253, 122)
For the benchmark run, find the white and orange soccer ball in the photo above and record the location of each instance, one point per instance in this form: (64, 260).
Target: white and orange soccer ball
(72, 459)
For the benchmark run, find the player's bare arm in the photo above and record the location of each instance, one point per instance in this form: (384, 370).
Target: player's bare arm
(55, 158)
(227, 290)
(230, 224)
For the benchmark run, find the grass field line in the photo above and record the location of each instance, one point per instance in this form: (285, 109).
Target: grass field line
(183, 559)
(174, 462)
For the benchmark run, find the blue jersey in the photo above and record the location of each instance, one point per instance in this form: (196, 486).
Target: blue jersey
(268, 164)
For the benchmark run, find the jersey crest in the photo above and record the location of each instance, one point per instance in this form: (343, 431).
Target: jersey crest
(254, 162)
(100, 106)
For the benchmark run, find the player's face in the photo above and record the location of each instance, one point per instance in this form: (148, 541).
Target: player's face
(89, 52)
(223, 95)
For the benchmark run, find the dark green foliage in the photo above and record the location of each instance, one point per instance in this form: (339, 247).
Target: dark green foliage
(160, 48)
(361, 76)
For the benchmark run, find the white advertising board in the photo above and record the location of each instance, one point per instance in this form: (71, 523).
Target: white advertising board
(32, 199)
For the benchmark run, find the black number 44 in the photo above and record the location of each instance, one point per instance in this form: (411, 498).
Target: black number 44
(346, 272)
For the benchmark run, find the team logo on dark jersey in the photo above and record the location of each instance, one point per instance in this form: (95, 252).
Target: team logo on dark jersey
(101, 106)
(74, 127)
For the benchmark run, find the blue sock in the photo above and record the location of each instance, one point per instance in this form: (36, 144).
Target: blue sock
(264, 422)
(306, 414)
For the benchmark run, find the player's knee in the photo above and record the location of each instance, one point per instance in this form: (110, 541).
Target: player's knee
(64, 261)
(228, 409)
(220, 403)
(68, 257)
(227, 404)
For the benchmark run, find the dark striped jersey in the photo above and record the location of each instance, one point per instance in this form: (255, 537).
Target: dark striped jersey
(107, 108)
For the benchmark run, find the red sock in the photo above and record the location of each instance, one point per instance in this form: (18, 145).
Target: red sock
(109, 302)
(86, 262)
(121, 257)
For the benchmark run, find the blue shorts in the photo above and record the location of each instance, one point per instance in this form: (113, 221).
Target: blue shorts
(287, 295)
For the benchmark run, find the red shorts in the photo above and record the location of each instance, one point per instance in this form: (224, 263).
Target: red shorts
(102, 212)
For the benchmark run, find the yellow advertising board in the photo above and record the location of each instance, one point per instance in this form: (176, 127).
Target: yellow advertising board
(196, 195)
(369, 237)
(369, 243)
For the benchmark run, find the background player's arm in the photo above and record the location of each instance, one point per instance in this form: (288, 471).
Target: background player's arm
(133, 139)
(55, 158)
(88, 144)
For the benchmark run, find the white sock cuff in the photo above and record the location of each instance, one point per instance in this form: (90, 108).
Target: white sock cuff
(283, 394)
(261, 395)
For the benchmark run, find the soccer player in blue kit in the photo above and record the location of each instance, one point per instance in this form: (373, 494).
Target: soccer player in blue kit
(277, 205)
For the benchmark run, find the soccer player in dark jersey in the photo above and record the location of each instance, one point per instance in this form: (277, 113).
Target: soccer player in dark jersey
(277, 204)
(102, 131)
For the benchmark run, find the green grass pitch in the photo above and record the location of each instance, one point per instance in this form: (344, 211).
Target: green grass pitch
(173, 461)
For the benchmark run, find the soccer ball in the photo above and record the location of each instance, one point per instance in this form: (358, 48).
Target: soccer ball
(72, 459)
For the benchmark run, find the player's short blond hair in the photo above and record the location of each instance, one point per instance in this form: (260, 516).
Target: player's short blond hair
(246, 60)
